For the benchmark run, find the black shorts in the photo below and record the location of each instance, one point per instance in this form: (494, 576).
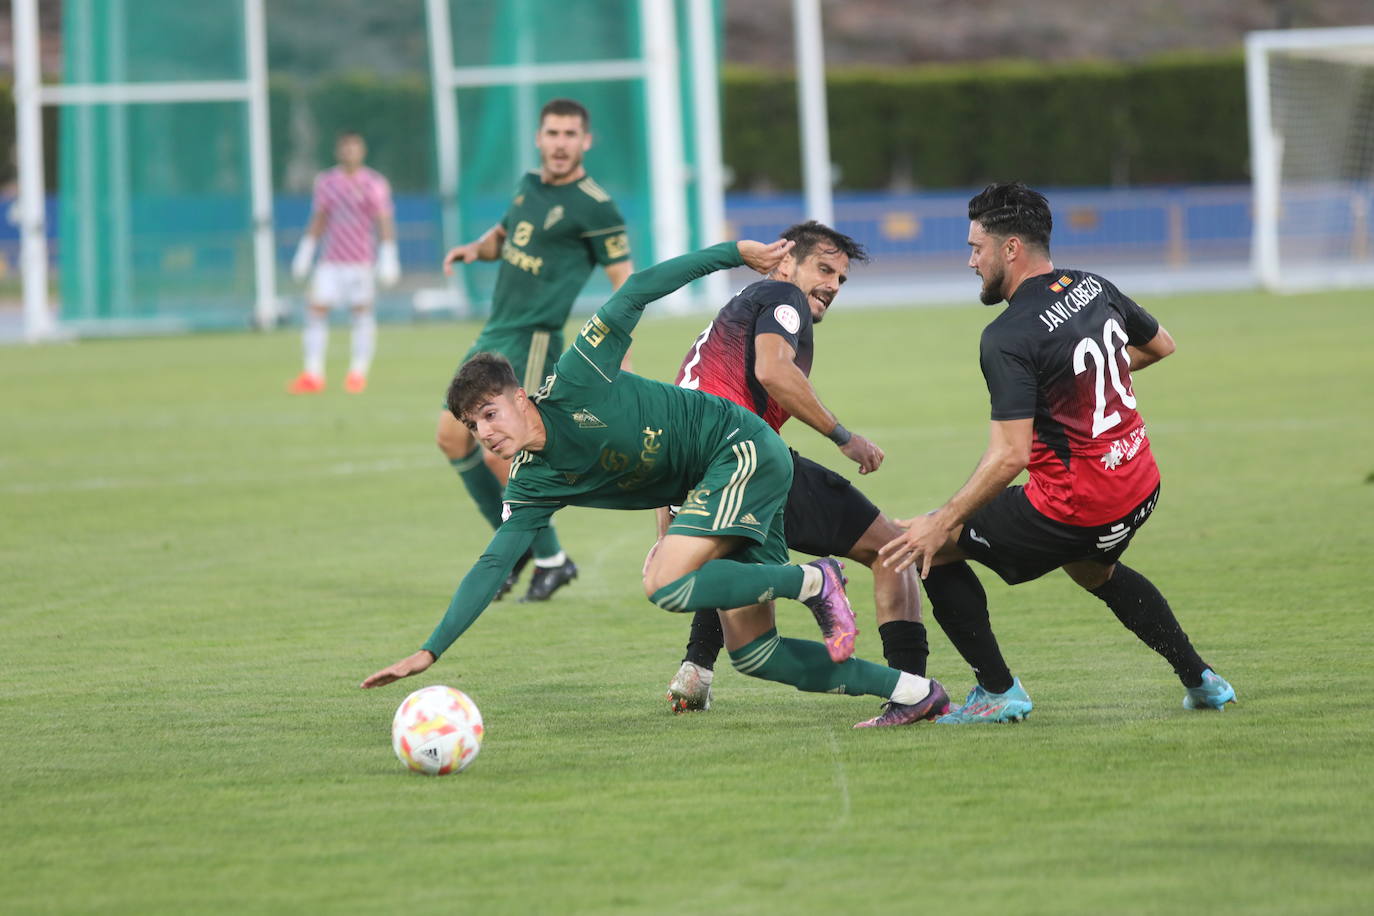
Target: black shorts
(826, 514)
(1019, 543)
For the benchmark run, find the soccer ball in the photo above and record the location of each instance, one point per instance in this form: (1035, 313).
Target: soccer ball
(437, 730)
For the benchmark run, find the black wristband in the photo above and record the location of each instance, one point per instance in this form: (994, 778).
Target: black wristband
(839, 435)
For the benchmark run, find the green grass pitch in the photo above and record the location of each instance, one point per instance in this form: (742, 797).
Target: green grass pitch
(198, 570)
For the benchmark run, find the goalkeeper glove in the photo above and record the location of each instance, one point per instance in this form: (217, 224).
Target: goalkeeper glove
(305, 254)
(388, 264)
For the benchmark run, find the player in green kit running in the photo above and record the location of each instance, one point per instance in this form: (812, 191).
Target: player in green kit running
(560, 224)
(595, 435)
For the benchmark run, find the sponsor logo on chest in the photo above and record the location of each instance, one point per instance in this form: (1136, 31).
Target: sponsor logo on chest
(648, 457)
(520, 260)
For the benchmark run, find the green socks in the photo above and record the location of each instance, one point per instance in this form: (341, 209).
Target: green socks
(807, 666)
(803, 664)
(729, 584)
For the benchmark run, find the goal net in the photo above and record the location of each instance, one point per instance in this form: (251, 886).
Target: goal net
(171, 143)
(636, 66)
(156, 197)
(1311, 94)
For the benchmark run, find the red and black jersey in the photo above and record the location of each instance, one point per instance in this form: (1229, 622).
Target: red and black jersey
(1057, 353)
(721, 360)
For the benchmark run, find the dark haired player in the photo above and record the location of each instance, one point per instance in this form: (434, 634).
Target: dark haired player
(1058, 364)
(595, 435)
(560, 224)
(757, 352)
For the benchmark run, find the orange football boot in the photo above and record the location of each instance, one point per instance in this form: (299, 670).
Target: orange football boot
(307, 383)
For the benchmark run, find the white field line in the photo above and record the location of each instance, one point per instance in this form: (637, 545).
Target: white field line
(841, 784)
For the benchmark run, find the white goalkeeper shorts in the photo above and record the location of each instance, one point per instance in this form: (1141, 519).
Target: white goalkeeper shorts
(342, 285)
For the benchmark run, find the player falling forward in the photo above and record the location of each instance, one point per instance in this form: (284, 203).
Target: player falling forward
(595, 435)
(1058, 364)
(348, 200)
(757, 352)
(559, 225)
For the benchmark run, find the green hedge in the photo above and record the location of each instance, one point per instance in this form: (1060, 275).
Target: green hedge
(394, 116)
(9, 171)
(1170, 120)
(1178, 119)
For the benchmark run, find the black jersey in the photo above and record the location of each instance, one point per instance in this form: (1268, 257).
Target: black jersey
(1057, 354)
(721, 360)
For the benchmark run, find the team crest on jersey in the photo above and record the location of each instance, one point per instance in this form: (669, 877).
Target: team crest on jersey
(519, 199)
(1063, 283)
(553, 216)
(788, 318)
(571, 477)
(585, 419)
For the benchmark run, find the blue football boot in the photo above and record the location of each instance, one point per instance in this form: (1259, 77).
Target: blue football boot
(1214, 693)
(984, 706)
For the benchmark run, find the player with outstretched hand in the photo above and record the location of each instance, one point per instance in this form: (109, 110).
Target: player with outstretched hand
(757, 351)
(597, 436)
(1058, 364)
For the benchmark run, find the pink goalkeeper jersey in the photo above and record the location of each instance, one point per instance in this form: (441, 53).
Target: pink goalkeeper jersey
(351, 203)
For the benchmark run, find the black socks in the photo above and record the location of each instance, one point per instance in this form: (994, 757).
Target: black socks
(905, 645)
(706, 639)
(960, 607)
(1143, 610)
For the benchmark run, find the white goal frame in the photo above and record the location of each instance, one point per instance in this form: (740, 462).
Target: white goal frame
(30, 95)
(1266, 155)
(657, 68)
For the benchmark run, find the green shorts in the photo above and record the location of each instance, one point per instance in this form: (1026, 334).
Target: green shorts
(743, 494)
(532, 352)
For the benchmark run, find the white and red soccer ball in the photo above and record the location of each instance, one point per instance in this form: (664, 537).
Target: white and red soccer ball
(437, 730)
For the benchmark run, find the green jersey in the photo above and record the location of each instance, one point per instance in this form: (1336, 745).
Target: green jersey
(614, 440)
(555, 234)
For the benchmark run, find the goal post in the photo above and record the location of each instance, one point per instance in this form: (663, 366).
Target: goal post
(1311, 107)
(647, 70)
(164, 199)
